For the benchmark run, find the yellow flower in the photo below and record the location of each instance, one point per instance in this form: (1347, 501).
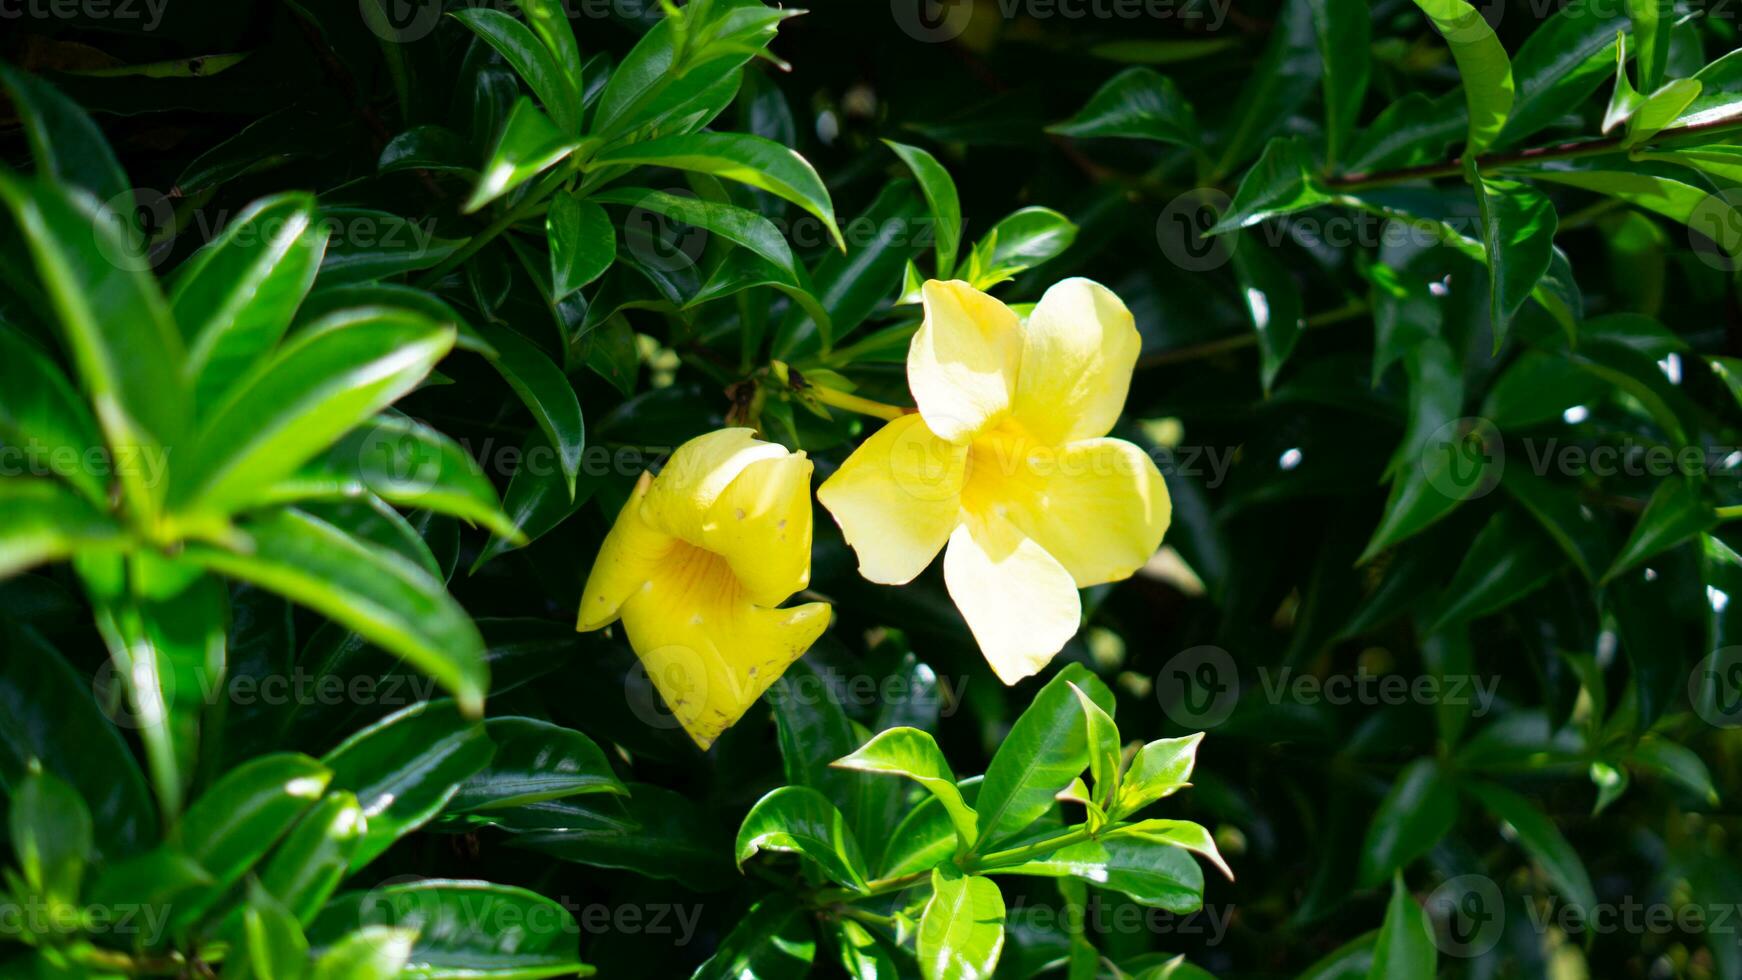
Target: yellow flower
(696, 564)
(1007, 463)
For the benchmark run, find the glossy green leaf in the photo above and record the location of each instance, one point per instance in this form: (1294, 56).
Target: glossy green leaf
(553, 82)
(1281, 182)
(392, 603)
(535, 761)
(1559, 65)
(546, 392)
(1541, 840)
(1677, 200)
(1677, 510)
(800, 820)
(51, 836)
(939, 189)
(1022, 240)
(654, 832)
(328, 379)
(466, 930)
(751, 160)
(1506, 562)
(1137, 103)
(644, 91)
(370, 953)
(1518, 229)
(46, 521)
(1676, 763)
(851, 286)
(269, 944)
(1176, 833)
(305, 870)
(66, 145)
(961, 931)
(1344, 31)
(1404, 949)
(1272, 300)
(913, 753)
(405, 768)
(1482, 64)
(1437, 466)
(583, 243)
(1159, 875)
(772, 941)
(45, 419)
(1046, 748)
(235, 297)
(114, 323)
(1419, 809)
(368, 245)
(1281, 81)
(1104, 748)
(1651, 35)
(735, 224)
(1159, 769)
(530, 144)
(1411, 131)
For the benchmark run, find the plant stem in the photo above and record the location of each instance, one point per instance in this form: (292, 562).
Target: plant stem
(880, 886)
(1560, 151)
(1729, 513)
(853, 403)
(532, 202)
(1018, 855)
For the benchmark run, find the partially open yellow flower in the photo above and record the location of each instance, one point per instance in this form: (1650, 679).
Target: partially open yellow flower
(1007, 463)
(696, 564)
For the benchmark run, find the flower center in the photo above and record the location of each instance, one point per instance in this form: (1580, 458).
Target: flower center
(999, 468)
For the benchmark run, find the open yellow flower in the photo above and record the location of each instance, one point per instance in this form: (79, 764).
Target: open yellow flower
(1007, 463)
(695, 565)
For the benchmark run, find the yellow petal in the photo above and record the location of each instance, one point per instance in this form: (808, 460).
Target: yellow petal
(631, 553)
(897, 498)
(1079, 347)
(1098, 506)
(697, 474)
(709, 650)
(1018, 600)
(962, 363)
(761, 525)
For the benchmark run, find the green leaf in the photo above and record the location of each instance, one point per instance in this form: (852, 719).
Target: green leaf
(583, 244)
(913, 753)
(800, 820)
(405, 768)
(546, 392)
(850, 286)
(1676, 763)
(1659, 110)
(162, 876)
(940, 194)
(405, 463)
(1281, 182)
(1160, 769)
(328, 379)
(1652, 40)
(961, 931)
(739, 225)
(1280, 82)
(44, 419)
(1437, 465)
(1508, 560)
(1175, 833)
(1344, 30)
(1482, 64)
(370, 953)
(1024, 239)
(305, 870)
(535, 761)
(537, 499)
(233, 824)
(235, 297)
(1411, 131)
(67, 146)
(551, 80)
(1404, 949)
(269, 944)
(1642, 610)
(1137, 103)
(389, 601)
(1159, 875)
(1677, 511)
(550, 21)
(529, 145)
(1679, 201)
(473, 930)
(51, 835)
(751, 160)
(654, 832)
(46, 521)
(1104, 748)
(1272, 300)
(370, 245)
(48, 717)
(1045, 749)
(115, 325)
(772, 941)
(1419, 810)
(1558, 67)
(1541, 840)
(1518, 229)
